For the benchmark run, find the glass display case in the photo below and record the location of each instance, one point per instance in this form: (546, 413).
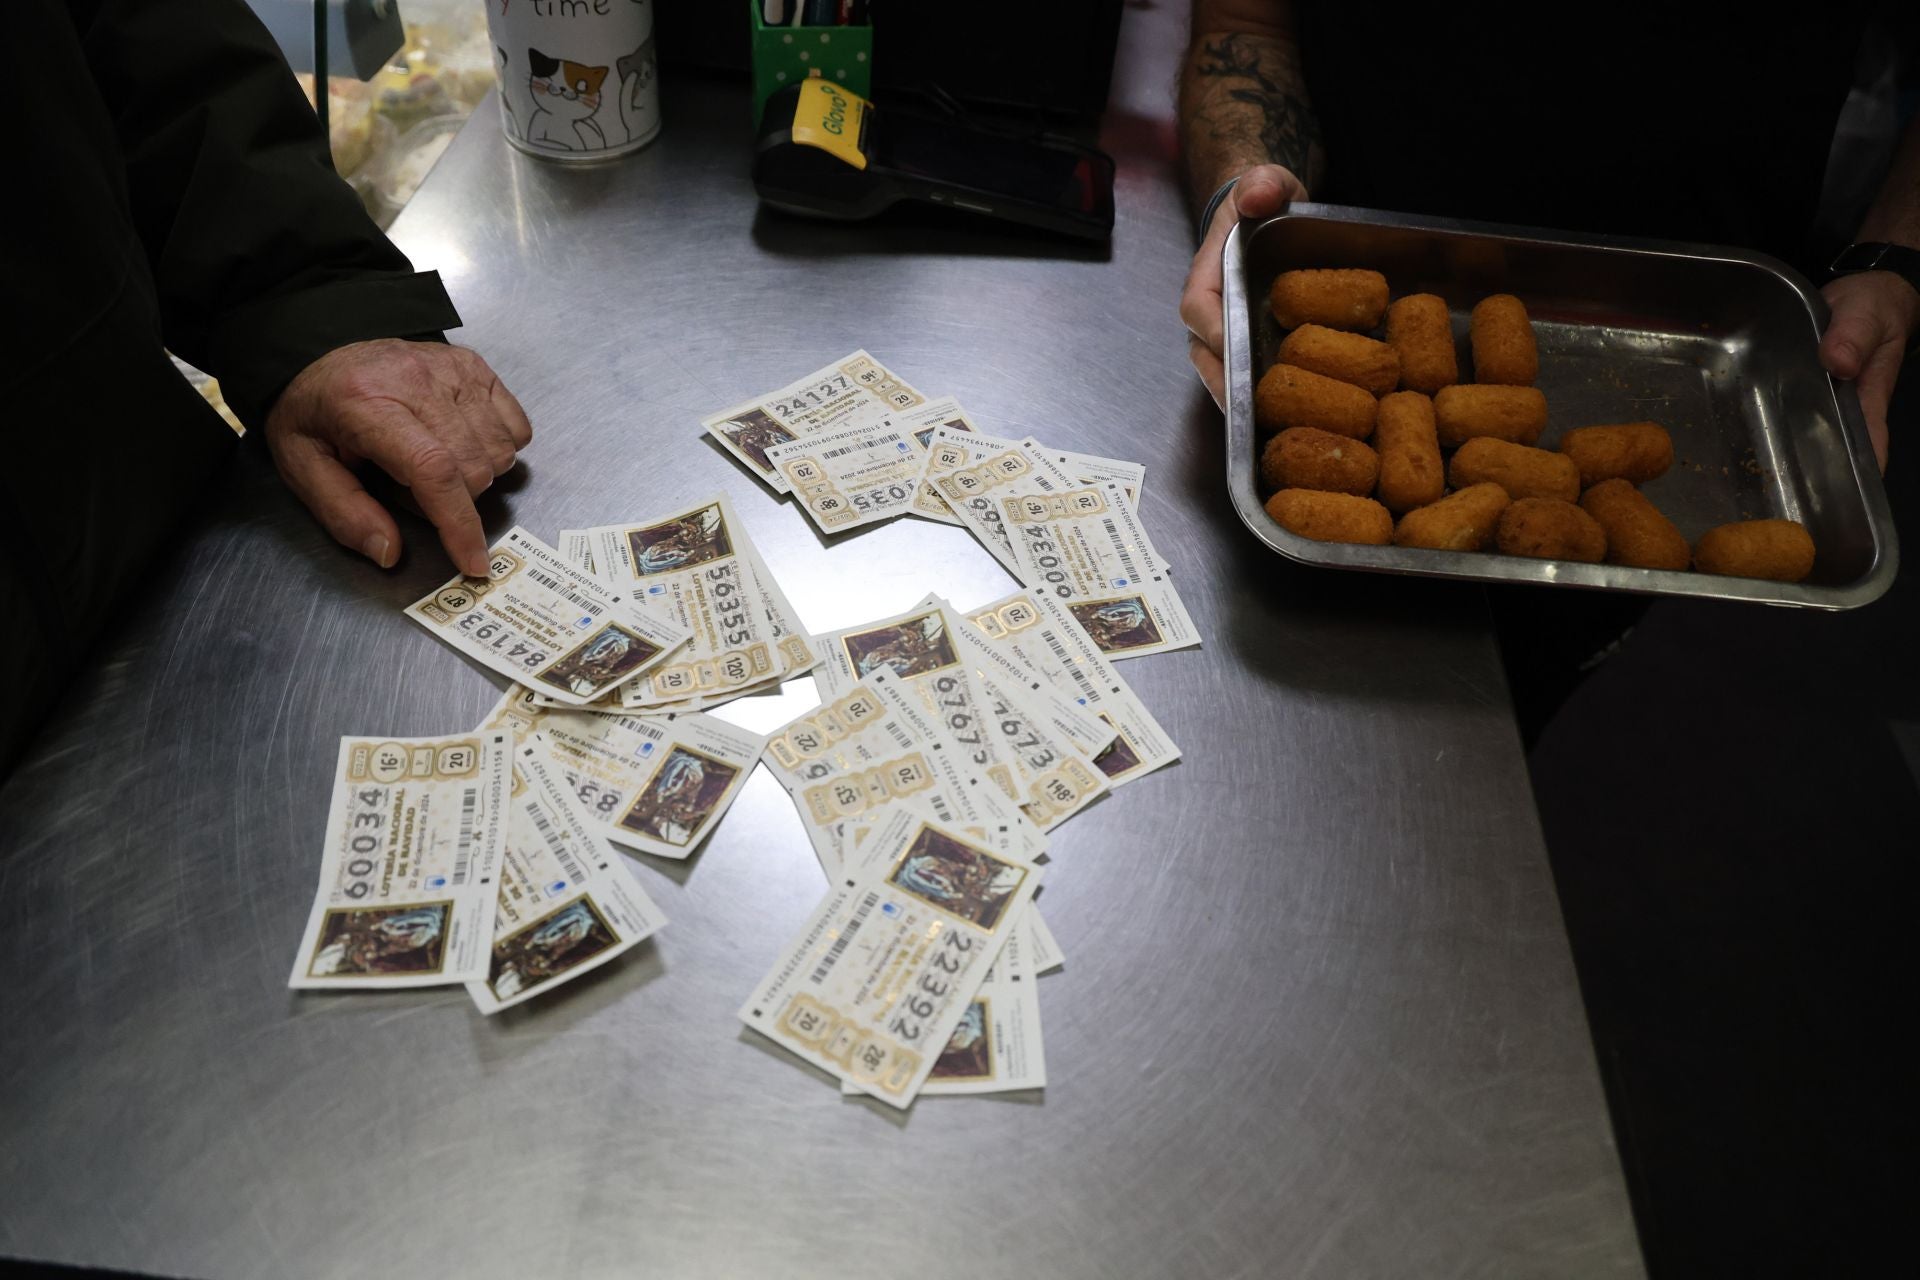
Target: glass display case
(391, 111)
(426, 65)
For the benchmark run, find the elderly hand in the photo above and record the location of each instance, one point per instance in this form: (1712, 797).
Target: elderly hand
(1874, 317)
(432, 416)
(1262, 191)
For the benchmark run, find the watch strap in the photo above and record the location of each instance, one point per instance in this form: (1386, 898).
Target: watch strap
(1878, 256)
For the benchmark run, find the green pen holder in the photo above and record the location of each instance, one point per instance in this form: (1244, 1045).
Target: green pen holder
(788, 55)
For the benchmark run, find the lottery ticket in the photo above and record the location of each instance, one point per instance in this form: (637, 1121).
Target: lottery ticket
(848, 761)
(1078, 542)
(567, 903)
(997, 1047)
(1148, 618)
(855, 391)
(539, 619)
(1003, 734)
(696, 569)
(408, 880)
(875, 984)
(658, 784)
(1039, 633)
(852, 476)
(1088, 468)
(969, 470)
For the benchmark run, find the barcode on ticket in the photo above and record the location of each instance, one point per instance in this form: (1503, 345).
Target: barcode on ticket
(1073, 668)
(463, 846)
(846, 449)
(552, 583)
(846, 935)
(1120, 545)
(556, 844)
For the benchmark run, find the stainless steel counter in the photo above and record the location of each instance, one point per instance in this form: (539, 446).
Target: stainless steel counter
(1318, 1016)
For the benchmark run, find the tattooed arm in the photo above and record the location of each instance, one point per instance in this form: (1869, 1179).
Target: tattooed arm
(1243, 114)
(1243, 96)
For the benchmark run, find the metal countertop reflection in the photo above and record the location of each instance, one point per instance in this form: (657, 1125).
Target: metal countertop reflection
(1318, 1017)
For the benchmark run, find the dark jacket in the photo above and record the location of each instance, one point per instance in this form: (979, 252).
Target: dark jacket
(177, 195)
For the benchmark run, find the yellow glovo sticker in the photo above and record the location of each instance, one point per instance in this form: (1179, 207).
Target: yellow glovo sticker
(831, 117)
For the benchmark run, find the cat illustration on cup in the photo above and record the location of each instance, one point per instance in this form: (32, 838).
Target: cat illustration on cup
(566, 97)
(558, 104)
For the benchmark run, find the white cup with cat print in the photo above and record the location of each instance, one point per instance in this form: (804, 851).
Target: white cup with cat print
(578, 78)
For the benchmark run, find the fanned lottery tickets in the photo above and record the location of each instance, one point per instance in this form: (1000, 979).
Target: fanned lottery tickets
(567, 904)
(656, 784)
(848, 761)
(408, 881)
(948, 745)
(997, 1048)
(935, 621)
(852, 392)
(539, 619)
(968, 471)
(877, 981)
(697, 569)
(1040, 634)
(860, 475)
(1003, 734)
(1065, 715)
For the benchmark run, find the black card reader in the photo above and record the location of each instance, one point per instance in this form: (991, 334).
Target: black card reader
(829, 153)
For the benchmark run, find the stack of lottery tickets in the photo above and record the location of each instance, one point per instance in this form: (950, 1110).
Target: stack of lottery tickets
(948, 746)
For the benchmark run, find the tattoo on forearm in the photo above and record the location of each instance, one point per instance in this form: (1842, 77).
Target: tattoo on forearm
(1282, 123)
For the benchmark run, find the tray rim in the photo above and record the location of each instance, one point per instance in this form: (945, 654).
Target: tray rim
(1475, 566)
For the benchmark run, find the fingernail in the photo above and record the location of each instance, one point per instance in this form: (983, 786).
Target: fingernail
(375, 549)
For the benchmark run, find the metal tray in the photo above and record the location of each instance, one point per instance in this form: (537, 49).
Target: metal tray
(1718, 345)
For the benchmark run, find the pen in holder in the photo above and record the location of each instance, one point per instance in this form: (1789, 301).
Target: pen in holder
(788, 55)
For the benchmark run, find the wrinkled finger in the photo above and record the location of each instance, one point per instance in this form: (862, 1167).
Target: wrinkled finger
(1211, 371)
(338, 500)
(500, 426)
(406, 450)
(485, 435)
(465, 429)
(507, 405)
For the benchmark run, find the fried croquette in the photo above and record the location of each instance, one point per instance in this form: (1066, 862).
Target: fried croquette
(1468, 410)
(1549, 529)
(1410, 471)
(1460, 521)
(1781, 550)
(1331, 517)
(1421, 331)
(1631, 451)
(1637, 533)
(1309, 458)
(1523, 471)
(1339, 299)
(1290, 397)
(1350, 357)
(1504, 351)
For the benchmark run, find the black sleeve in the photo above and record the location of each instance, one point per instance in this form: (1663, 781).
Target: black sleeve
(263, 257)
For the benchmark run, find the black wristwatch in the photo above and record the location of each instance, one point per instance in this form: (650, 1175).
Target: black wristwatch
(1897, 258)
